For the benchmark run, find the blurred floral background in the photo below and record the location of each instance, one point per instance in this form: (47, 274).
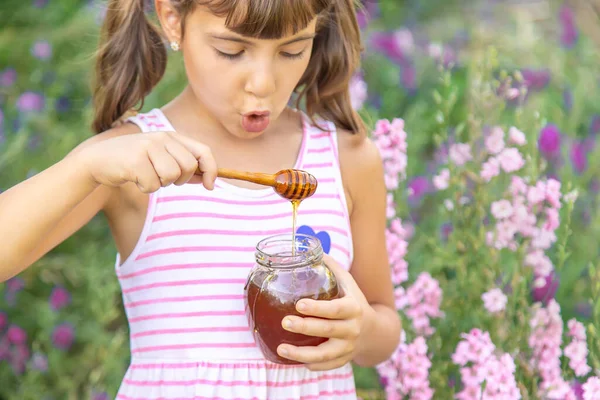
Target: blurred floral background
(487, 116)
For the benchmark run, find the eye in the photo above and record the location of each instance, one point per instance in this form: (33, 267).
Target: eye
(293, 56)
(229, 56)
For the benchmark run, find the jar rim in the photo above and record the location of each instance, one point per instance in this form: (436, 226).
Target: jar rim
(311, 251)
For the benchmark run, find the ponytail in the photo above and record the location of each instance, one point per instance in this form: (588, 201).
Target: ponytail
(335, 59)
(131, 60)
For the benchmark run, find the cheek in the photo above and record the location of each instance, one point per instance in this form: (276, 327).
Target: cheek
(209, 79)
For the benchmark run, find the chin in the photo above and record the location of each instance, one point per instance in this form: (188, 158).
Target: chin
(241, 133)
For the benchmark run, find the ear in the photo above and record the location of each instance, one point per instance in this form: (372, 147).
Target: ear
(170, 20)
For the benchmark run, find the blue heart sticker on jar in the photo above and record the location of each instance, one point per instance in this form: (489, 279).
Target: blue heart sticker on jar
(323, 236)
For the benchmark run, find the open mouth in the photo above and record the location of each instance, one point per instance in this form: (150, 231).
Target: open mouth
(255, 121)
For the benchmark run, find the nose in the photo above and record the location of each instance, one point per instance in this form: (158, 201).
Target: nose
(261, 80)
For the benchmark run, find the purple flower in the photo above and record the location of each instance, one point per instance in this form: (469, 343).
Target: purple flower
(99, 395)
(546, 292)
(40, 3)
(42, 50)
(39, 362)
(18, 359)
(30, 101)
(568, 99)
(446, 230)
(579, 156)
(418, 187)
(59, 298)
(3, 321)
(63, 104)
(4, 348)
(387, 44)
(16, 335)
(535, 79)
(577, 389)
(8, 77)
(549, 140)
(595, 185)
(408, 77)
(583, 309)
(15, 285)
(63, 336)
(568, 36)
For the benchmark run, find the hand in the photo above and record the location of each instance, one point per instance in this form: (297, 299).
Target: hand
(150, 160)
(344, 324)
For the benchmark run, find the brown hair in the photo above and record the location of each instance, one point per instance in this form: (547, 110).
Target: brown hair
(132, 56)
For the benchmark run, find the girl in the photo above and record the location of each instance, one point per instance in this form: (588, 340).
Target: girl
(184, 249)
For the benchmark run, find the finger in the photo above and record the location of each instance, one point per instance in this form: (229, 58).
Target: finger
(329, 365)
(206, 160)
(186, 160)
(343, 308)
(325, 328)
(146, 178)
(164, 164)
(328, 351)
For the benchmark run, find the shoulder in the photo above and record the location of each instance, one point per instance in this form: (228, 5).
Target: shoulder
(361, 167)
(127, 128)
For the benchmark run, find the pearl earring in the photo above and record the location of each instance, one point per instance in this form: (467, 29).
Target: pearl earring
(175, 46)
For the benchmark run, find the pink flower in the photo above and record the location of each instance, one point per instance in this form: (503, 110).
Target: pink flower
(390, 139)
(494, 300)
(502, 209)
(495, 140)
(552, 221)
(576, 329)
(390, 210)
(16, 335)
(460, 153)
(577, 350)
(63, 336)
(3, 321)
(553, 194)
(490, 169)
(518, 186)
(407, 371)
(8, 77)
(511, 160)
(442, 180)
(476, 355)
(536, 194)
(423, 299)
(545, 341)
(59, 298)
(358, 92)
(42, 50)
(30, 101)
(397, 247)
(516, 136)
(591, 389)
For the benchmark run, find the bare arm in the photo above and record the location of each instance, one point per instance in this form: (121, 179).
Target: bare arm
(40, 213)
(362, 170)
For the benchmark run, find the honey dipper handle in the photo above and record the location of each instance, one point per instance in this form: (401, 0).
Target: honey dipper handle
(254, 177)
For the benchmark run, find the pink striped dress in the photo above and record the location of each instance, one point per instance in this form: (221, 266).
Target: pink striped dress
(183, 284)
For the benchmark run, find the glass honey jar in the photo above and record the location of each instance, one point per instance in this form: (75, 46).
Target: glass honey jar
(285, 271)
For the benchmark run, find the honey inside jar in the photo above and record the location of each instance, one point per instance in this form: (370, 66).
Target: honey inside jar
(285, 272)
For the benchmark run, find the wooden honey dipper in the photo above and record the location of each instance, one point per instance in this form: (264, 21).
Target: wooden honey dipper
(291, 184)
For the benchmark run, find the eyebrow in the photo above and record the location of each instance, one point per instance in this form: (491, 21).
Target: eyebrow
(247, 42)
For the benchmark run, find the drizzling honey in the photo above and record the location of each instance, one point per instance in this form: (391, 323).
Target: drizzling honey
(295, 204)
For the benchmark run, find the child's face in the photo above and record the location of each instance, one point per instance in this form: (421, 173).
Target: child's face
(232, 75)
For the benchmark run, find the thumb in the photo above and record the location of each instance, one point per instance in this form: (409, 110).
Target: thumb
(343, 277)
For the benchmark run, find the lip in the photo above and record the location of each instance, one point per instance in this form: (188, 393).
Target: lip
(258, 113)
